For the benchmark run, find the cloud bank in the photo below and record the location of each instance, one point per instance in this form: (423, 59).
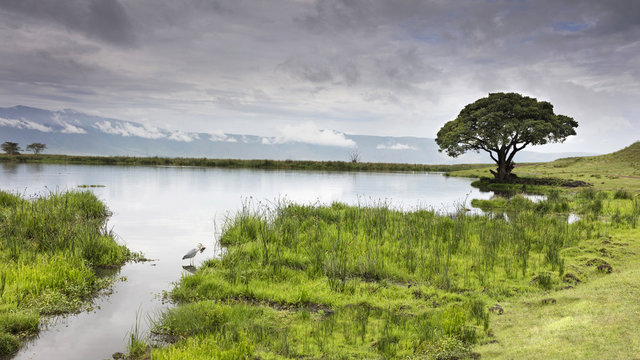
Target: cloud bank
(309, 133)
(24, 124)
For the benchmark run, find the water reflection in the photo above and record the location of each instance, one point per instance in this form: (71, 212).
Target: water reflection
(190, 268)
(10, 168)
(571, 218)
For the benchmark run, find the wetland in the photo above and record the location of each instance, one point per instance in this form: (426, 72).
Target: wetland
(330, 264)
(163, 212)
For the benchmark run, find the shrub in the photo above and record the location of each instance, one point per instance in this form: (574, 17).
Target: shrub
(623, 195)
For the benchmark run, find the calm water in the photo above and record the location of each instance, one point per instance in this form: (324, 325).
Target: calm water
(165, 211)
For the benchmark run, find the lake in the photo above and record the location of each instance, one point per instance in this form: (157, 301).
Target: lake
(165, 211)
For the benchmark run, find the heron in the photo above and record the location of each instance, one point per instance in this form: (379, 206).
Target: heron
(192, 253)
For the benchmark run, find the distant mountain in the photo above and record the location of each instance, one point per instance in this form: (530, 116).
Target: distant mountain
(74, 133)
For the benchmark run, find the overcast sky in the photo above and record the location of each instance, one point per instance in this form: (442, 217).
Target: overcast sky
(400, 68)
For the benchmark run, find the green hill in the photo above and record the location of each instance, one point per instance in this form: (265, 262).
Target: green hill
(617, 170)
(625, 162)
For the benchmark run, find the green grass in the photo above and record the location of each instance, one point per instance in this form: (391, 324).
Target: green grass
(597, 319)
(137, 344)
(49, 247)
(372, 282)
(616, 171)
(233, 163)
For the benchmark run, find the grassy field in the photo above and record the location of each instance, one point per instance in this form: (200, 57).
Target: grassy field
(618, 170)
(232, 163)
(598, 319)
(372, 282)
(49, 250)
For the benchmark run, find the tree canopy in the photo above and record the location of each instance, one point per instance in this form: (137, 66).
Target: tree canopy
(502, 124)
(36, 147)
(11, 148)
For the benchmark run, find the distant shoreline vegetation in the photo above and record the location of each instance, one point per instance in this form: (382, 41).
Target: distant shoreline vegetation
(235, 163)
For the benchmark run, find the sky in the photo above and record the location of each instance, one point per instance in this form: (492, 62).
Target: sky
(314, 69)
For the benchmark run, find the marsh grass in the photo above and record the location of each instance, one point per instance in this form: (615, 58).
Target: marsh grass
(373, 281)
(136, 342)
(49, 248)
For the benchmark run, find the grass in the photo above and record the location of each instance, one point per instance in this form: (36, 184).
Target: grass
(136, 342)
(595, 320)
(232, 163)
(49, 248)
(616, 171)
(373, 282)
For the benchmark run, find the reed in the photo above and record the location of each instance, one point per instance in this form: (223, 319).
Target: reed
(136, 342)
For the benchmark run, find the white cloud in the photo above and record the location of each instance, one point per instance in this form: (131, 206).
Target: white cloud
(309, 133)
(24, 124)
(71, 129)
(221, 136)
(67, 128)
(396, 146)
(127, 129)
(178, 135)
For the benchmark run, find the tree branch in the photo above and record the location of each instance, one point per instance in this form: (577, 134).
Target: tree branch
(481, 143)
(522, 147)
(515, 150)
(491, 154)
(514, 141)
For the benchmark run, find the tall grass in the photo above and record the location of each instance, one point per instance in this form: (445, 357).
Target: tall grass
(48, 248)
(375, 243)
(370, 281)
(136, 342)
(71, 222)
(363, 281)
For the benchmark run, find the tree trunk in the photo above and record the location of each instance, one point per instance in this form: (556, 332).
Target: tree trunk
(503, 172)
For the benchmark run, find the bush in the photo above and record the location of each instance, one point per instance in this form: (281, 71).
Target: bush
(545, 280)
(623, 195)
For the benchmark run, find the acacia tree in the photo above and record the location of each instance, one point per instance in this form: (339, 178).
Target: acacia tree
(11, 148)
(36, 147)
(503, 124)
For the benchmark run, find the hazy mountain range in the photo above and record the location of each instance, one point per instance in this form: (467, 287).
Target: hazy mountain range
(74, 133)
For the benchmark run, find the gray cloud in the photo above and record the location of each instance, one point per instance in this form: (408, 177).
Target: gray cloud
(312, 70)
(357, 66)
(105, 20)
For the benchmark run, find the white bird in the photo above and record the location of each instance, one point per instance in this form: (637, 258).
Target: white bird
(192, 253)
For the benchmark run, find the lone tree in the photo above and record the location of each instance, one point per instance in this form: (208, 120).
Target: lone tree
(354, 156)
(36, 147)
(503, 124)
(11, 148)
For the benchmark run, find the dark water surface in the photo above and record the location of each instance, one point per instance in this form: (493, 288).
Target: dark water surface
(165, 211)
